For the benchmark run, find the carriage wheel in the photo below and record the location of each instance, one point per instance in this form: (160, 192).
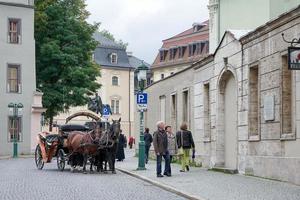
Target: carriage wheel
(38, 157)
(61, 160)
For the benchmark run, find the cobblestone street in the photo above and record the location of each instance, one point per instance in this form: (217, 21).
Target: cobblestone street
(19, 179)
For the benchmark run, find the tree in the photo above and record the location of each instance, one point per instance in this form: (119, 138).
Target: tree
(110, 36)
(66, 73)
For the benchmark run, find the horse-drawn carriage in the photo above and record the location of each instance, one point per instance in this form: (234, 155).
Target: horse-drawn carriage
(95, 141)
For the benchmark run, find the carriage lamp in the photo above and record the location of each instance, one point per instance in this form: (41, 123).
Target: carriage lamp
(15, 110)
(142, 77)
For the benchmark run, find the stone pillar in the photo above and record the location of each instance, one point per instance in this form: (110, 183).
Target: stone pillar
(214, 26)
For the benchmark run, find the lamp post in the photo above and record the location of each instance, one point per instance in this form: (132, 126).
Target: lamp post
(15, 107)
(142, 77)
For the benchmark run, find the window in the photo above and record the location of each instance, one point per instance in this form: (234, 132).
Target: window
(14, 128)
(162, 76)
(163, 54)
(173, 53)
(254, 107)
(181, 51)
(114, 58)
(13, 79)
(206, 106)
(162, 108)
(115, 106)
(174, 111)
(115, 80)
(185, 106)
(14, 31)
(192, 49)
(287, 102)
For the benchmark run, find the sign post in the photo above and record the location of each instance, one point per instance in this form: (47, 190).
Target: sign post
(142, 99)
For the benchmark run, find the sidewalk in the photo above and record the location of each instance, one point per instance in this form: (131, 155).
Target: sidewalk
(203, 184)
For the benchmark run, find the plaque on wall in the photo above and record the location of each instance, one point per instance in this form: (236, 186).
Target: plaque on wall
(269, 112)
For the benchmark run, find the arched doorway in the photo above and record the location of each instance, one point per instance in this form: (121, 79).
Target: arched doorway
(228, 120)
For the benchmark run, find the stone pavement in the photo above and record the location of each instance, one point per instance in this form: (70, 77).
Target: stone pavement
(20, 180)
(200, 183)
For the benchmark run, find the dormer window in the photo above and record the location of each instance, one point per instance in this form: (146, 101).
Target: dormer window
(163, 54)
(114, 58)
(173, 53)
(181, 51)
(197, 27)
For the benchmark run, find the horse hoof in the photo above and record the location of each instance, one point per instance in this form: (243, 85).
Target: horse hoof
(114, 172)
(84, 172)
(91, 172)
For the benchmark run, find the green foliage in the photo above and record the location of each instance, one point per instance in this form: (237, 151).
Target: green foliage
(110, 36)
(66, 72)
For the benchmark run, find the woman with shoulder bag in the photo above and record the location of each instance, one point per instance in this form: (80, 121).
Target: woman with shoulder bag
(184, 142)
(172, 144)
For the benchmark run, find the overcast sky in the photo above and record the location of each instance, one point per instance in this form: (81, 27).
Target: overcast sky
(145, 23)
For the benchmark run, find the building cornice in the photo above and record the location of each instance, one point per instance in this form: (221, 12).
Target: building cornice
(17, 5)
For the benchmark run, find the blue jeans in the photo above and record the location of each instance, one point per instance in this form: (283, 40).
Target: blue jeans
(167, 163)
(147, 148)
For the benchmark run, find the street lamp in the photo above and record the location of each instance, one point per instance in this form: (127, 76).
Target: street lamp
(15, 108)
(142, 77)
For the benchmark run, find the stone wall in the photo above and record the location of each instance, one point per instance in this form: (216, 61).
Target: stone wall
(268, 103)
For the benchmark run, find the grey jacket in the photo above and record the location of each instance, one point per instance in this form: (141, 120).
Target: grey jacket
(172, 144)
(160, 142)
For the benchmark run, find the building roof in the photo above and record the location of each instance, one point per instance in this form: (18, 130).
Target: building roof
(105, 42)
(104, 51)
(190, 31)
(136, 62)
(184, 39)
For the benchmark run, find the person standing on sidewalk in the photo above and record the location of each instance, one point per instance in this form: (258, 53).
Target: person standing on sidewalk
(120, 155)
(186, 142)
(172, 144)
(160, 143)
(148, 140)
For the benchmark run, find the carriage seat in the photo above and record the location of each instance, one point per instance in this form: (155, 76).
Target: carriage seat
(50, 138)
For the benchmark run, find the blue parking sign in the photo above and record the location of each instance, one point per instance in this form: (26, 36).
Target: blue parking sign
(106, 110)
(141, 98)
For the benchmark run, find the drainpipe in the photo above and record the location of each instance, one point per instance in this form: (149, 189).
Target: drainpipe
(129, 102)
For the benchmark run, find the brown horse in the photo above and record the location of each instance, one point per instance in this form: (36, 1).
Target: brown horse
(85, 144)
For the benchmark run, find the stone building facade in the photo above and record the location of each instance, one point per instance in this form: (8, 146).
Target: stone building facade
(245, 103)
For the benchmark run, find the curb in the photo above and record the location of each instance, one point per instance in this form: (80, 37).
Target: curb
(161, 185)
(20, 156)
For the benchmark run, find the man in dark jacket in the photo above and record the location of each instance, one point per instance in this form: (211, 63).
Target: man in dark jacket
(160, 143)
(148, 140)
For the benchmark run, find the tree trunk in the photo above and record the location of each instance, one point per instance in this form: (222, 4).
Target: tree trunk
(51, 124)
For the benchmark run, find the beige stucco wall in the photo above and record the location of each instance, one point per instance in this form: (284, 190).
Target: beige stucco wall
(123, 92)
(167, 71)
